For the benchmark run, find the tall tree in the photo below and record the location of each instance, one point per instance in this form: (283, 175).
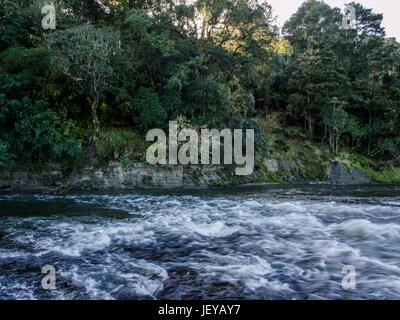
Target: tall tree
(85, 54)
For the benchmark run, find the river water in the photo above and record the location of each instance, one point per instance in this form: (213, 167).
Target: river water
(252, 242)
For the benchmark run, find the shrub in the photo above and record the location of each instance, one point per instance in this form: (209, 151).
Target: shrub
(150, 113)
(45, 136)
(70, 150)
(120, 144)
(260, 139)
(5, 155)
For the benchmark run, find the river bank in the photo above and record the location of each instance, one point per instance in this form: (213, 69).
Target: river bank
(292, 158)
(117, 176)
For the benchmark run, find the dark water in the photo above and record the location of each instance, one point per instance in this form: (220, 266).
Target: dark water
(264, 242)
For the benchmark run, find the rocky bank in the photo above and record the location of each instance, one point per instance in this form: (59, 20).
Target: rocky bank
(117, 176)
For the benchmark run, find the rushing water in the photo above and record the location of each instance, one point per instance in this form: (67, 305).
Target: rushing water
(255, 242)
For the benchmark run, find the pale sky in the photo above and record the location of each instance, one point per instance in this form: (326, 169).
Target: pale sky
(284, 9)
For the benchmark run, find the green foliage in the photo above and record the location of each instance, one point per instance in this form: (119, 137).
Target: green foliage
(84, 54)
(120, 144)
(45, 136)
(207, 98)
(342, 82)
(261, 144)
(376, 170)
(148, 113)
(67, 149)
(388, 145)
(5, 155)
(136, 65)
(30, 129)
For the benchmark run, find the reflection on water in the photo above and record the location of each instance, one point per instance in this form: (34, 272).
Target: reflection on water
(254, 242)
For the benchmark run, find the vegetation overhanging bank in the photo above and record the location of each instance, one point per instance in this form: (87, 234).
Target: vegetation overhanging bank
(85, 94)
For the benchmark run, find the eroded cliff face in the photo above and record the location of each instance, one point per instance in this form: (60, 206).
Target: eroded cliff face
(27, 180)
(129, 176)
(117, 176)
(298, 171)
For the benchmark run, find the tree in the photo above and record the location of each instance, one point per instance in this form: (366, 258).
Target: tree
(85, 55)
(372, 64)
(336, 119)
(319, 75)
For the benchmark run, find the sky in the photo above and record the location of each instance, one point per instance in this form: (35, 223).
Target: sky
(284, 9)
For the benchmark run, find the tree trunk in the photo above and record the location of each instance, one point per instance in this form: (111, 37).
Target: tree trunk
(331, 139)
(325, 134)
(337, 141)
(96, 122)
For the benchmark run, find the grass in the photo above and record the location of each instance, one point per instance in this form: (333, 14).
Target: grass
(377, 171)
(389, 176)
(121, 144)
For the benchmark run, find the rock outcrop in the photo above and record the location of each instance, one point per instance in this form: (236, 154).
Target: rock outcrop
(125, 176)
(117, 176)
(340, 175)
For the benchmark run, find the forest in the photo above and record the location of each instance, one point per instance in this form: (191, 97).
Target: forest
(112, 70)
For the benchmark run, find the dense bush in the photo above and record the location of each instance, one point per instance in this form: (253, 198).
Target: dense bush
(149, 111)
(260, 139)
(137, 65)
(5, 155)
(120, 144)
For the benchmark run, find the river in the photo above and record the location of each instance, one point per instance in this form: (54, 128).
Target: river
(251, 242)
